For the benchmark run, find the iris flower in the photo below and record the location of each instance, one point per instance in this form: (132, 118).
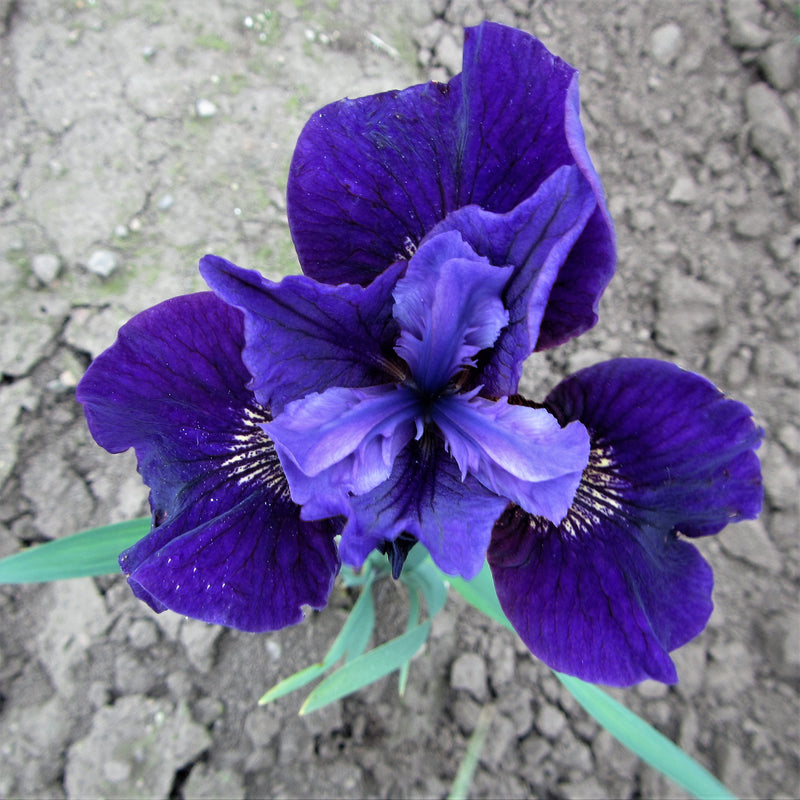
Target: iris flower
(446, 232)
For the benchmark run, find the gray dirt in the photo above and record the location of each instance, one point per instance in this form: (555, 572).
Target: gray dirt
(138, 135)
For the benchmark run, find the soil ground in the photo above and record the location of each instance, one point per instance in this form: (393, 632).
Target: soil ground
(138, 135)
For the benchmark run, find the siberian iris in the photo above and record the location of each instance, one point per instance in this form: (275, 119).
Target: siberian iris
(446, 232)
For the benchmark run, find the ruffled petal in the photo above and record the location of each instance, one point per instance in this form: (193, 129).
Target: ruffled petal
(449, 308)
(342, 441)
(426, 498)
(302, 336)
(371, 177)
(520, 453)
(173, 387)
(610, 591)
(585, 274)
(536, 237)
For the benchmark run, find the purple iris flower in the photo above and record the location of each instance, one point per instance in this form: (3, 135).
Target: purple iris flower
(447, 232)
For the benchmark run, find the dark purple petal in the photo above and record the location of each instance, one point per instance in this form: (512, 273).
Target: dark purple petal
(449, 308)
(173, 387)
(251, 567)
(425, 497)
(536, 237)
(371, 177)
(342, 440)
(686, 448)
(610, 591)
(302, 336)
(520, 453)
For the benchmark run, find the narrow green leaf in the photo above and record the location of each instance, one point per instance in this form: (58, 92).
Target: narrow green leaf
(428, 580)
(293, 683)
(357, 629)
(645, 741)
(413, 621)
(367, 669)
(85, 554)
(350, 642)
(630, 729)
(466, 769)
(480, 593)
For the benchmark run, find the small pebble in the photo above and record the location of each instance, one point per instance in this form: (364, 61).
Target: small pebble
(102, 262)
(46, 267)
(763, 106)
(166, 202)
(666, 42)
(469, 672)
(780, 64)
(683, 191)
(205, 108)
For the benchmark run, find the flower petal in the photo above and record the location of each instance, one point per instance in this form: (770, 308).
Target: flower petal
(173, 387)
(449, 307)
(610, 591)
(536, 237)
(520, 453)
(342, 441)
(425, 497)
(302, 336)
(371, 177)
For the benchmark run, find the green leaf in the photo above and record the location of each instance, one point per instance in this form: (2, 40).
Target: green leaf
(350, 643)
(630, 729)
(480, 593)
(428, 580)
(367, 669)
(355, 633)
(293, 683)
(81, 555)
(466, 769)
(645, 741)
(413, 621)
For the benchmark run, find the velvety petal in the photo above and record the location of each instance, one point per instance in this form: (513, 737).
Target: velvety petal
(371, 177)
(252, 567)
(536, 237)
(520, 453)
(343, 440)
(425, 497)
(449, 307)
(302, 336)
(173, 387)
(687, 449)
(572, 305)
(610, 591)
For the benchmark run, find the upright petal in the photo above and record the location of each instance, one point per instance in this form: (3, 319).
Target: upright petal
(520, 453)
(302, 336)
(536, 237)
(227, 545)
(426, 498)
(449, 307)
(371, 177)
(610, 591)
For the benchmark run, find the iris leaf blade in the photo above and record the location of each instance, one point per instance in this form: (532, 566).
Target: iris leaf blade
(642, 739)
(366, 669)
(82, 555)
(628, 728)
(413, 621)
(293, 683)
(428, 580)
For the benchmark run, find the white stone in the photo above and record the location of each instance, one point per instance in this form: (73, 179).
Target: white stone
(102, 262)
(205, 108)
(666, 43)
(45, 267)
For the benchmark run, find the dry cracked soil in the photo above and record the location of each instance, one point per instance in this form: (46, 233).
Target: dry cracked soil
(138, 135)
